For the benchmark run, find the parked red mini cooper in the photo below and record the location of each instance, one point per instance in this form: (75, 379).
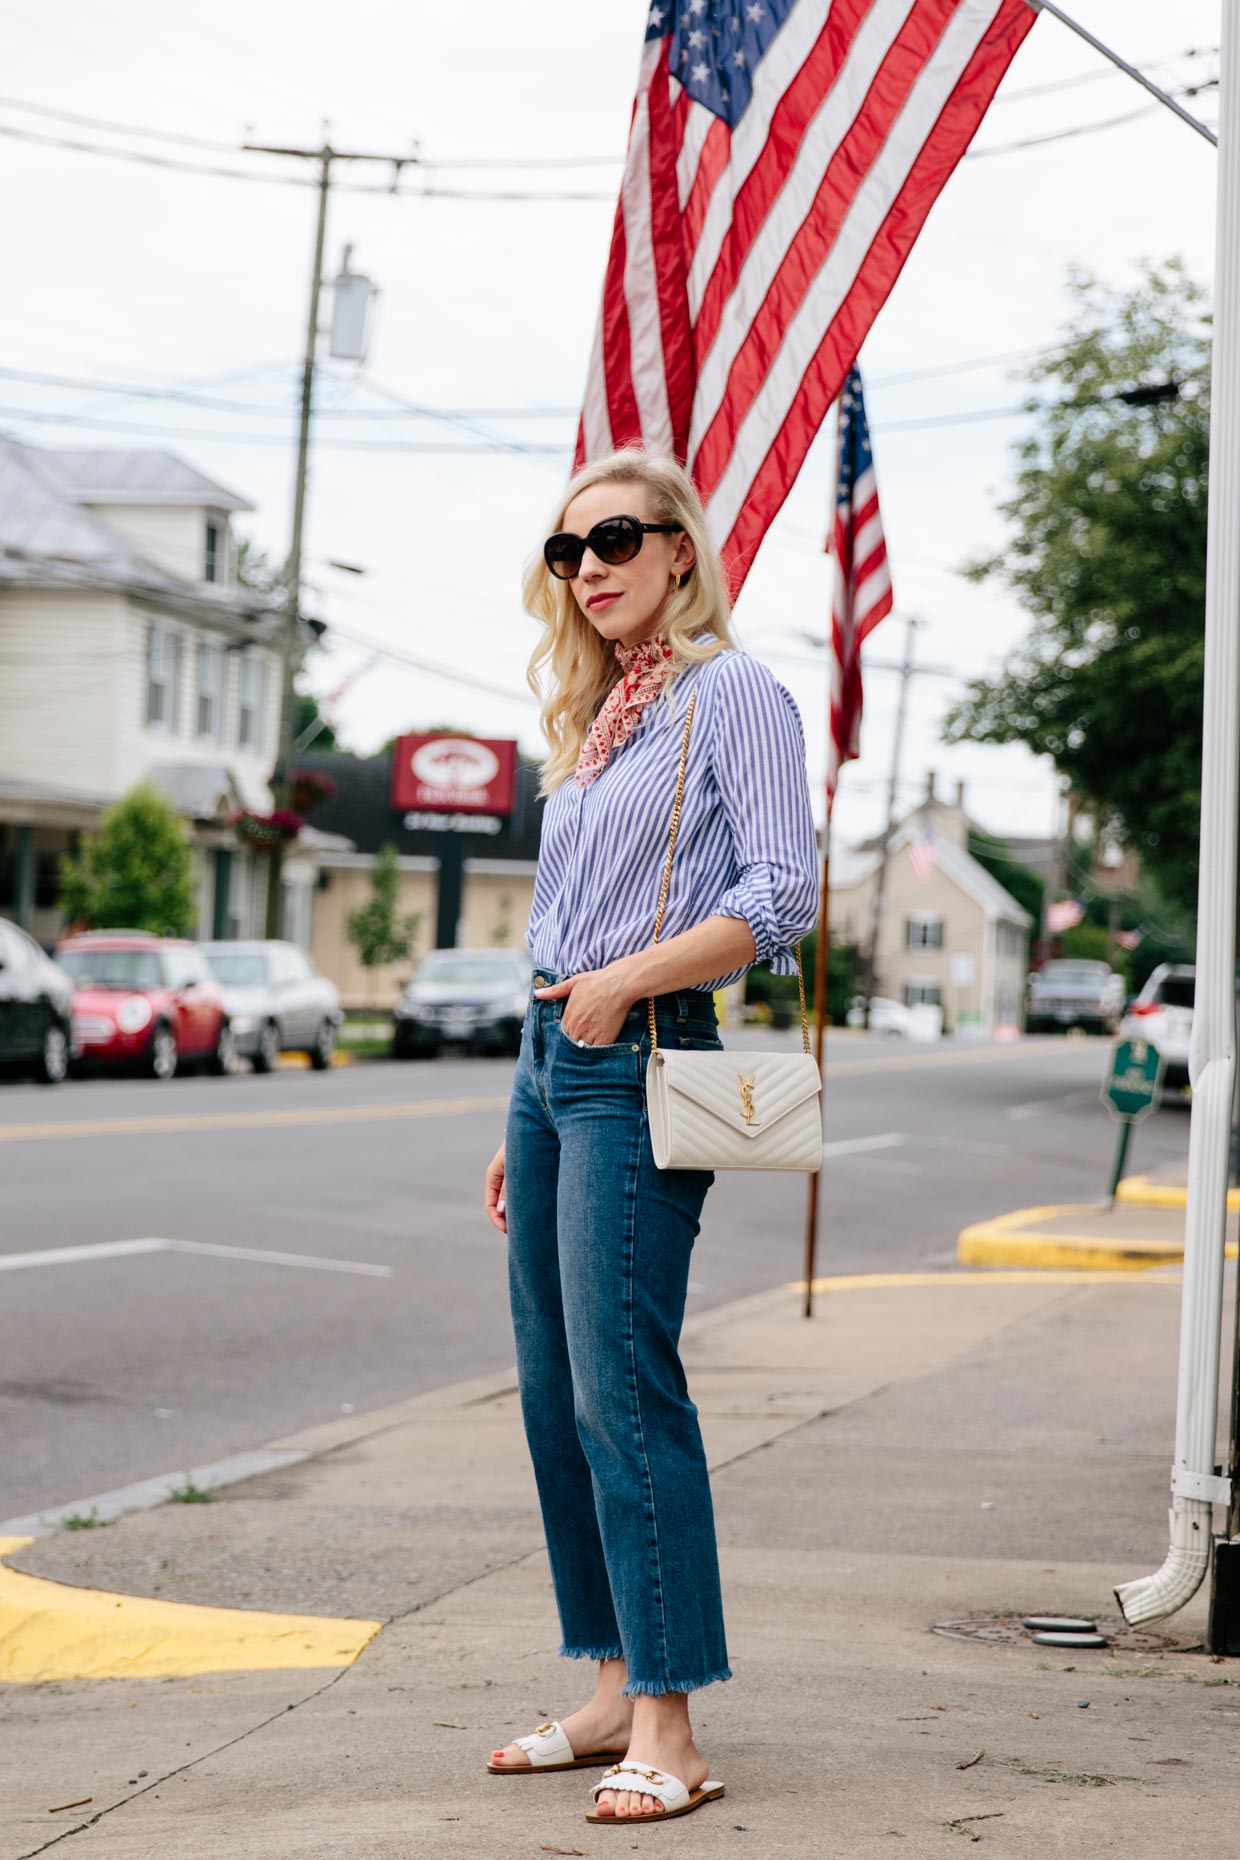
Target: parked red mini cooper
(145, 1001)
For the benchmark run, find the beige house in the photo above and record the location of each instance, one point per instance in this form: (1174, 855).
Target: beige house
(950, 935)
(129, 653)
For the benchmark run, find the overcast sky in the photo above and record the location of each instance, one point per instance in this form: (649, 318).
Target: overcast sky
(120, 274)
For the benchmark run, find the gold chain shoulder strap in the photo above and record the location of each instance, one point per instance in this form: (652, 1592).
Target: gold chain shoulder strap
(672, 830)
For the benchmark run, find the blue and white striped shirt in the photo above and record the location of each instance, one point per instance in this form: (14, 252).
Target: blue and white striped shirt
(745, 846)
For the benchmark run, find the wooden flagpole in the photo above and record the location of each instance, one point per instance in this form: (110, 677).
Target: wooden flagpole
(824, 930)
(820, 1022)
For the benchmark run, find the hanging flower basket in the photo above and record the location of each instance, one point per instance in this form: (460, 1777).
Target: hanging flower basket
(263, 832)
(310, 789)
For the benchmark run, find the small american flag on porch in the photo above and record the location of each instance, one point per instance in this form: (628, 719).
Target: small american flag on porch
(923, 854)
(862, 593)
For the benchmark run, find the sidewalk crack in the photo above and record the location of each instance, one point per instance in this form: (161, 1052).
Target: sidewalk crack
(157, 1782)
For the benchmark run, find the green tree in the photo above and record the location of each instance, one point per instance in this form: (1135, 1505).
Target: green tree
(256, 571)
(779, 992)
(1107, 554)
(377, 930)
(137, 873)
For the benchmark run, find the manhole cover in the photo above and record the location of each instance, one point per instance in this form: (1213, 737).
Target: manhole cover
(1009, 1631)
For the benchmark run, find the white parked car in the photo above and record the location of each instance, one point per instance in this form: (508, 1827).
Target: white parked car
(888, 1017)
(1163, 1014)
(276, 1001)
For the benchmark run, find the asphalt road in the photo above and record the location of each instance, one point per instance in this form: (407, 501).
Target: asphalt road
(117, 1366)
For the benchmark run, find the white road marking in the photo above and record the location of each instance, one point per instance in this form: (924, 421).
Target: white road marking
(856, 1146)
(69, 1255)
(115, 1249)
(309, 1260)
(145, 1493)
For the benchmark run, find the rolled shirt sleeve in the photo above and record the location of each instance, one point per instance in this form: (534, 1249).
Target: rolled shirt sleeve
(758, 760)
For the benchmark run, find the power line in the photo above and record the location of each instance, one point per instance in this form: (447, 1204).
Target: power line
(507, 162)
(430, 668)
(406, 408)
(75, 145)
(1060, 135)
(465, 448)
(111, 127)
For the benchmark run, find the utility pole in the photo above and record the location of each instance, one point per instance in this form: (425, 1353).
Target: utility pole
(908, 672)
(291, 627)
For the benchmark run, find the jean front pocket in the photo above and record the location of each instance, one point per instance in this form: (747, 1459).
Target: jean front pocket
(583, 1046)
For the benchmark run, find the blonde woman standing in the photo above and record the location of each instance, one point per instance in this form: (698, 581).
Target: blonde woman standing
(634, 607)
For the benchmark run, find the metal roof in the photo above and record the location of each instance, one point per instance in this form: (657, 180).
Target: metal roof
(121, 474)
(956, 865)
(50, 537)
(45, 533)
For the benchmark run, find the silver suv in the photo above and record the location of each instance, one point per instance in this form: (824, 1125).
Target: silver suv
(277, 1002)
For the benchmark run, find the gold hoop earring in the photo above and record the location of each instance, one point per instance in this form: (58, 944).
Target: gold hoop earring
(676, 581)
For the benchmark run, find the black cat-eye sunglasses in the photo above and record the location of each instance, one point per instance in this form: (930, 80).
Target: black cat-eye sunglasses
(613, 541)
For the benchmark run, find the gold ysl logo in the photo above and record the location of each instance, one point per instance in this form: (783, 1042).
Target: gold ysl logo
(747, 1100)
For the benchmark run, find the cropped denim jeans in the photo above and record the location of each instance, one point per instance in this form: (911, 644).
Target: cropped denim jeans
(599, 1243)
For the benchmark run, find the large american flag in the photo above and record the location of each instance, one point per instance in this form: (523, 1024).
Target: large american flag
(862, 589)
(782, 159)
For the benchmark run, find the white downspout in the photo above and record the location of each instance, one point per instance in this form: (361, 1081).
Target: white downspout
(1212, 1065)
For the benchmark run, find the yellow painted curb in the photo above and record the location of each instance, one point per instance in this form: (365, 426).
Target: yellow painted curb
(300, 1062)
(1139, 1192)
(49, 1630)
(1015, 1240)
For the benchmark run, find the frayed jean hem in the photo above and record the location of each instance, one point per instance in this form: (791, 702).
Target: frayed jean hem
(655, 1688)
(613, 1652)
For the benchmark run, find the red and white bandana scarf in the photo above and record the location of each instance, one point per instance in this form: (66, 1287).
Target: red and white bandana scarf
(646, 665)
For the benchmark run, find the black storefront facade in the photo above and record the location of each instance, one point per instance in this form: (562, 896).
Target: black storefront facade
(445, 867)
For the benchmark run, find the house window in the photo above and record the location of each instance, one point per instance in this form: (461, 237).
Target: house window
(919, 993)
(252, 706)
(213, 565)
(163, 665)
(210, 692)
(924, 930)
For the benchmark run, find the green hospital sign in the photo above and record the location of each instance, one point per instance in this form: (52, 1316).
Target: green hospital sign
(1133, 1086)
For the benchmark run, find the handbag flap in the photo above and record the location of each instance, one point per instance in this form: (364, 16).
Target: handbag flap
(749, 1092)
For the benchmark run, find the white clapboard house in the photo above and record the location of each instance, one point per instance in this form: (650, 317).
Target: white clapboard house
(128, 652)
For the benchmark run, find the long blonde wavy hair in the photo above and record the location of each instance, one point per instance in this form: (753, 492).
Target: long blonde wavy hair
(579, 665)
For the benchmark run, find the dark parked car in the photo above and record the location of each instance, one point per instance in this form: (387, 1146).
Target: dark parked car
(1073, 992)
(471, 997)
(145, 1001)
(277, 1002)
(36, 1008)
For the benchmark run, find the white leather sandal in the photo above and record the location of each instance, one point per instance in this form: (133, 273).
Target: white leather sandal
(665, 1788)
(549, 1749)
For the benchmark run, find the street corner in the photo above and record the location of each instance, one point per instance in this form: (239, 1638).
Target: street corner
(53, 1631)
(1077, 1236)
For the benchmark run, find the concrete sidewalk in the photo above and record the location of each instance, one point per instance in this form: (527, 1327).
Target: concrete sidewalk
(929, 1449)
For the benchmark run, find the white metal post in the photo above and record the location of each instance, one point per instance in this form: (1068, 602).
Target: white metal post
(1194, 1486)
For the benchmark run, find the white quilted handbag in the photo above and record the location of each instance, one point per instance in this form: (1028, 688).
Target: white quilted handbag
(730, 1110)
